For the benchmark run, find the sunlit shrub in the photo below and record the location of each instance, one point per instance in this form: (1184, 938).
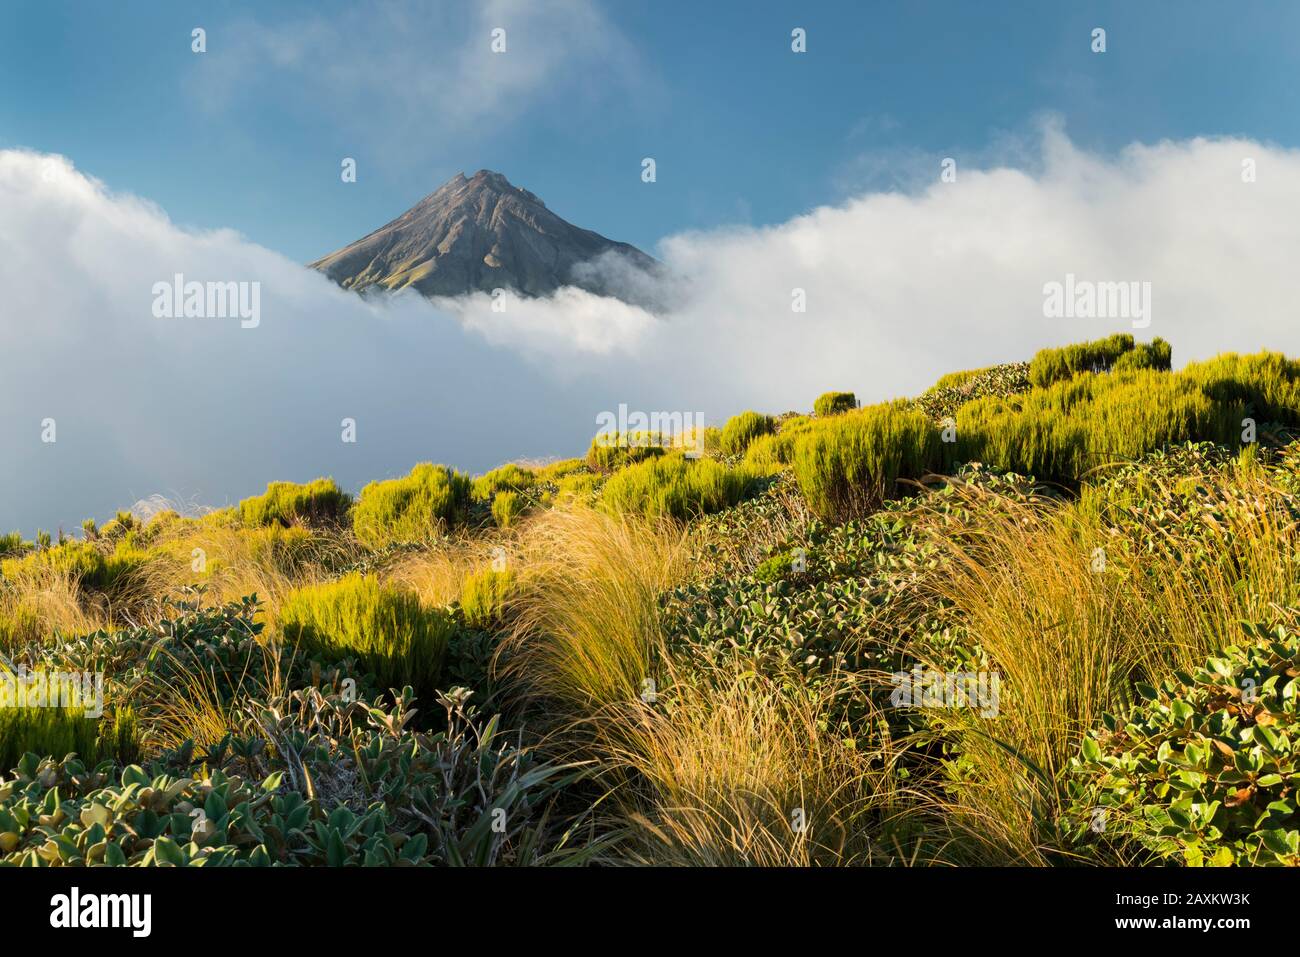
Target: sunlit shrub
(396, 640)
(507, 478)
(1053, 365)
(834, 403)
(415, 507)
(742, 429)
(1204, 770)
(484, 596)
(850, 464)
(677, 487)
(287, 503)
(506, 507)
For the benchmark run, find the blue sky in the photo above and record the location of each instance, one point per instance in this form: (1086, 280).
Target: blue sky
(743, 130)
(246, 139)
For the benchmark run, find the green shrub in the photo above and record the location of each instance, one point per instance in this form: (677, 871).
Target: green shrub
(614, 450)
(742, 429)
(1205, 770)
(506, 507)
(62, 731)
(849, 465)
(1156, 354)
(483, 597)
(1053, 365)
(1268, 383)
(394, 638)
(12, 545)
(287, 503)
(834, 403)
(554, 471)
(112, 572)
(1061, 432)
(773, 451)
(507, 478)
(677, 487)
(580, 485)
(412, 508)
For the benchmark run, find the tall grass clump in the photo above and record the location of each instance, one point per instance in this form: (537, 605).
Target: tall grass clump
(585, 631)
(677, 487)
(395, 639)
(413, 508)
(42, 602)
(750, 770)
(1072, 606)
(743, 429)
(287, 503)
(850, 464)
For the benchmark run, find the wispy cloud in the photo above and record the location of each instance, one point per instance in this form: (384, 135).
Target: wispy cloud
(409, 73)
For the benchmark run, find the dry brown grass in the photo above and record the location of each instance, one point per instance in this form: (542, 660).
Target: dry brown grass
(45, 601)
(746, 770)
(586, 632)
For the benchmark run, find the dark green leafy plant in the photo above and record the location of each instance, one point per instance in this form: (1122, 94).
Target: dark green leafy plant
(1206, 769)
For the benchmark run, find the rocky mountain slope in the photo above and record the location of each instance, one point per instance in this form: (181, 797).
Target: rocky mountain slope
(479, 234)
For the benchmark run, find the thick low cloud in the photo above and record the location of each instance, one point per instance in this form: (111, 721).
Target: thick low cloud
(205, 410)
(899, 289)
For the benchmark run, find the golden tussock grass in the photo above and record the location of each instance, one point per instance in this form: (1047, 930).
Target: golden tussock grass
(1071, 608)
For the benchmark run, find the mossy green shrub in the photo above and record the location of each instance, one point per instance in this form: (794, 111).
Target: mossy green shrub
(1053, 365)
(63, 731)
(1206, 769)
(394, 638)
(678, 487)
(850, 464)
(412, 508)
(742, 429)
(834, 403)
(506, 507)
(507, 478)
(1061, 432)
(483, 597)
(614, 450)
(287, 503)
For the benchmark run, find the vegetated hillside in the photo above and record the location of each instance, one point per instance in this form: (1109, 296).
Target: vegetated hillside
(1044, 614)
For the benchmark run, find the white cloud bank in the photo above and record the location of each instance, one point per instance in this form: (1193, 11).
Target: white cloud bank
(900, 288)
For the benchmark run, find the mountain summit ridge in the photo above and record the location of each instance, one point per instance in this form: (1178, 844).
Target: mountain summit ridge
(477, 234)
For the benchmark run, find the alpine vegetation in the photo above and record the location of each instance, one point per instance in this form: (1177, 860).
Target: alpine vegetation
(970, 627)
